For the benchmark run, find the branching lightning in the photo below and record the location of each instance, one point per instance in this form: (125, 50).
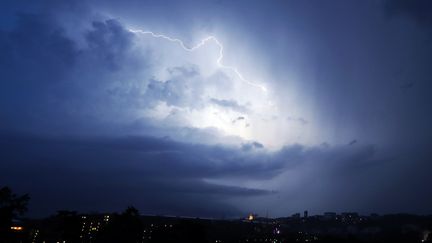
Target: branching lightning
(199, 45)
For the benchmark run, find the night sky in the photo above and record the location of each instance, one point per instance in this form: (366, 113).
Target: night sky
(287, 106)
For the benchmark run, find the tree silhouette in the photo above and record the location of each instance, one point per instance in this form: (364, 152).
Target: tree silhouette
(131, 212)
(11, 206)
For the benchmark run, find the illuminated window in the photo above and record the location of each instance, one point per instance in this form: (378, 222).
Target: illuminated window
(16, 228)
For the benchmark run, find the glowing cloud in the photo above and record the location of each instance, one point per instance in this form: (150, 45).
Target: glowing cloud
(195, 94)
(199, 45)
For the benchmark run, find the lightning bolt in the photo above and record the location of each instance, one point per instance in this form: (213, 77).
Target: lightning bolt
(199, 45)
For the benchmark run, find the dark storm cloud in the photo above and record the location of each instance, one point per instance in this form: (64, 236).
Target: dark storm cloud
(36, 48)
(144, 171)
(55, 82)
(159, 175)
(36, 56)
(109, 41)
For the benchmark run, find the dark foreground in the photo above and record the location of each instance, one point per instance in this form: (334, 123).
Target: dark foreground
(129, 226)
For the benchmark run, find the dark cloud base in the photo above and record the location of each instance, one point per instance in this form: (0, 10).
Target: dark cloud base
(159, 176)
